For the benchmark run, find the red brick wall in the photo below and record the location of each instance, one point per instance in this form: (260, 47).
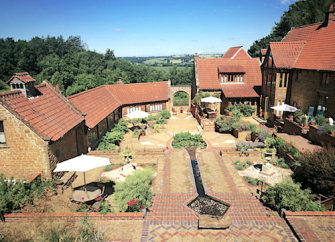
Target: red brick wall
(294, 128)
(25, 154)
(320, 139)
(57, 217)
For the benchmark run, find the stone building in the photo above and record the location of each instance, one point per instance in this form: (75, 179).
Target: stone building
(235, 78)
(105, 105)
(39, 127)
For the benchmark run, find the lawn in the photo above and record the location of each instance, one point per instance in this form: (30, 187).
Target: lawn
(209, 56)
(167, 68)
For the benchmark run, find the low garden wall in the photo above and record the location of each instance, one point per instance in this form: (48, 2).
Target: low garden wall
(321, 139)
(61, 217)
(111, 154)
(291, 127)
(241, 135)
(233, 152)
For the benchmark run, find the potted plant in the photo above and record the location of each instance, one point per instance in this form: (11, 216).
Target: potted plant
(143, 130)
(243, 148)
(248, 137)
(127, 154)
(181, 109)
(305, 121)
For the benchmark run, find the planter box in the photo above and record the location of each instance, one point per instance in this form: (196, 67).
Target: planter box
(254, 136)
(320, 139)
(241, 135)
(294, 128)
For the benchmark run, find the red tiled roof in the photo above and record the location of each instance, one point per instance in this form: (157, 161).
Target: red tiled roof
(99, 102)
(285, 54)
(231, 52)
(50, 113)
(241, 55)
(140, 92)
(96, 103)
(208, 72)
(303, 33)
(227, 68)
(24, 76)
(241, 90)
(319, 52)
(263, 51)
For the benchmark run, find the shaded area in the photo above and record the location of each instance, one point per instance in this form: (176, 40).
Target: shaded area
(196, 172)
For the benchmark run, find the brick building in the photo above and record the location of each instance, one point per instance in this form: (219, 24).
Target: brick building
(105, 105)
(39, 127)
(235, 78)
(299, 70)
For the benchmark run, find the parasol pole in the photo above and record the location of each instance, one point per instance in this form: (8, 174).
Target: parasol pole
(85, 185)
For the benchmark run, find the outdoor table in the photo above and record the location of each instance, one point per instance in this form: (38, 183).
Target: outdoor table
(92, 193)
(211, 115)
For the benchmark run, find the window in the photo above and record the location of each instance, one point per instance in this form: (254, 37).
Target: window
(325, 79)
(322, 104)
(231, 77)
(92, 136)
(281, 80)
(110, 120)
(133, 108)
(2, 134)
(155, 107)
(285, 79)
(102, 127)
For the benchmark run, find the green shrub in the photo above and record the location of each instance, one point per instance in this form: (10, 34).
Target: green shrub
(100, 179)
(153, 164)
(136, 187)
(253, 181)
(320, 120)
(288, 195)
(237, 162)
(15, 194)
(248, 178)
(224, 123)
(120, 128)
(326, 128)
(284, 165)
(165, 114)
(248, 162)
(161, 121)
(239, 167)
(252, 127)
(141, 164)
(123, 122)
(319, 168)
(108, 167)
(186, 139)
(244, 109)
(121, 164)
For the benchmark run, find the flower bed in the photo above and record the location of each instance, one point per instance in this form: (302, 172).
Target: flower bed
(242, 166)
(187, 140)
(253, 181)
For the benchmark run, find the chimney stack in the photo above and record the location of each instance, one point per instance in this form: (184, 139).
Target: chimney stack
(330, 15)
(120, 81)
(57, 87)
(196, 57)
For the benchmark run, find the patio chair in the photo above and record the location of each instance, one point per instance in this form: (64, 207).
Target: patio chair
(174, 111)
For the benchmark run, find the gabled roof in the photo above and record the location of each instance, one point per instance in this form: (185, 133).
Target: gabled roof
(236, 53)
(238, 90)
(319, 52)
(285, 54)
(24, 76)
(96, 103)
(302, 33)
(263, 52)
(140, 92)
(51, 115)
(208, 72)
(101, 101)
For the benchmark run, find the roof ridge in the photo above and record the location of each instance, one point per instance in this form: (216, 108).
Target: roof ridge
(136, 83)
(114, 96)
(9, 93)
(298, 54)
(290, 42)
(306, 25)
(67, 101)
(84, 92)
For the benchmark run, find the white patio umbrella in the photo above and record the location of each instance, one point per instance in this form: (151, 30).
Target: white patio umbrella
(211, 100)
(285, 108)
(82, 163)
(137, 114)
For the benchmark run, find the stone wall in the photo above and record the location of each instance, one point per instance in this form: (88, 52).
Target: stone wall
(325, 140)
(25, 153)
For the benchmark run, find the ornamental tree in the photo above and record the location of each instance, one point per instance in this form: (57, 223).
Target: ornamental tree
(318, 168)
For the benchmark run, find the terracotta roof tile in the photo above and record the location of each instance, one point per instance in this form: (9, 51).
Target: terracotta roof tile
(227, 68)
(96, 103)
(208, 72)
(49, 113)
(319, 52)
(303, 33)
(99, 102)
(285, 54)
(263, 51)
(24, 76)
(231, 52)
(140, 92)
(238, 90)
(241, 55)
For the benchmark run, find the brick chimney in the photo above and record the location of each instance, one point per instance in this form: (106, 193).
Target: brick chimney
(21, 81)
(57, 87)
(120, 81)
(196, 57)
(330, 15)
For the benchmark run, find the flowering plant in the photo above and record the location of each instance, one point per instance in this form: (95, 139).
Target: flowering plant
(132, 202)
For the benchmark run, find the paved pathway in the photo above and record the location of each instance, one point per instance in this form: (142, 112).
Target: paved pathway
(171, 220)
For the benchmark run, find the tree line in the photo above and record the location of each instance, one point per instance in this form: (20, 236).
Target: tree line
(69, 63)
(299, 13)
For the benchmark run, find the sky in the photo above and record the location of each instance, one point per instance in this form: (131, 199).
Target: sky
(145, 28)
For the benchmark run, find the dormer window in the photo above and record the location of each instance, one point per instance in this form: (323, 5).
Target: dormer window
(231, 73)
(231, 77)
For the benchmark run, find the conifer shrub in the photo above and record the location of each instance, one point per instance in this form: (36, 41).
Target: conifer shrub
(136, 187)
(289, 195)
(318, 168)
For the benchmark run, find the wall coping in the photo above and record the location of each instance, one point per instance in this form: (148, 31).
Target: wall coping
(94, 214)
(309, 213)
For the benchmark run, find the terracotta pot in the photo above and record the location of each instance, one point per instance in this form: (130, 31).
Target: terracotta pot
(290, 117)
(305, 125)
(312, 122)
(332, 133)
